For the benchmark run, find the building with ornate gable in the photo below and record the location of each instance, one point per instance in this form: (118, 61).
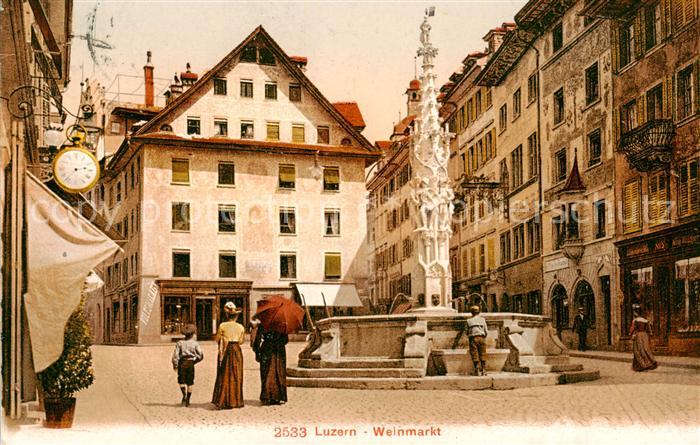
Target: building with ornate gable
(248, 182)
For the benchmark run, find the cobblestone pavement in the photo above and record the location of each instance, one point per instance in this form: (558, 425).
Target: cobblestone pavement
(135, 400)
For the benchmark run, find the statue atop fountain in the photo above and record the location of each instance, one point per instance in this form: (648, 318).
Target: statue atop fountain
(431, 192)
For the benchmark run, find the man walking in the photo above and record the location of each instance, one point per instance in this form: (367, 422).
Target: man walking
(477, 331)
(581, 328)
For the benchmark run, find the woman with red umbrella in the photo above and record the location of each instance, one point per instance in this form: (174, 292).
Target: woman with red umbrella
(228, 389)
(278, 317)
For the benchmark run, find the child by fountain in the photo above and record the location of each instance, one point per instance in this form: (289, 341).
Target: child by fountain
(477, 331)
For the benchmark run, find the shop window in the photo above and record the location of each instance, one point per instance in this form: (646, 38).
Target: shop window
(641, 294)
(176, 314)
(687, 301)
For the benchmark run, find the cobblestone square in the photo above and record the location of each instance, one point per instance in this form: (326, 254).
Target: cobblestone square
(136, 400)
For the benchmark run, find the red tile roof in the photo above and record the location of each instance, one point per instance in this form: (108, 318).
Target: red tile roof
(383, 145)
(299, 59)
(402, 126)
(351, 112)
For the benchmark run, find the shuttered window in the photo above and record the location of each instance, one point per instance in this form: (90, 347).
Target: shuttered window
(491, 253)
(181, 171)
(630, 207)
(472, 263)
(658, 199)
(332, 266)
(287, 176)
(683, 12)
(465, 262)
(298, 133)
(688, 189)
(331, 178)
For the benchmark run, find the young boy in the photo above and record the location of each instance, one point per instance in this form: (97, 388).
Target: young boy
(187, 353)
(477, 330)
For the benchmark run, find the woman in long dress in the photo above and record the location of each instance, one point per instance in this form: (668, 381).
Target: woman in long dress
(269, 347)
(228, 389)
(641, 344)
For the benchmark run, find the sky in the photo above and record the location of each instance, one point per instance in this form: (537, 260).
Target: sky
(358, 51)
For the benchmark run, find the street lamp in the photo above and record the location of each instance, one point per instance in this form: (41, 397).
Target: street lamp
(316, 170)
(53, 136)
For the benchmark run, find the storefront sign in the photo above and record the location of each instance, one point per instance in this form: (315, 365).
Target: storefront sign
(558, 264)
(639, 249)
(148, 303)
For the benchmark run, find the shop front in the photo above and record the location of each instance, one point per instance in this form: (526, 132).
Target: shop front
(661, 278)
(201, 303)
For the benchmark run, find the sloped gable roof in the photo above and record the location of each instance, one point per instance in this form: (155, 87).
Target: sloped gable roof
(228, 63)
(351, 112)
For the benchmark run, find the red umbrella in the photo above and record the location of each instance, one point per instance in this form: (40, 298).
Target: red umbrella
(280, 314)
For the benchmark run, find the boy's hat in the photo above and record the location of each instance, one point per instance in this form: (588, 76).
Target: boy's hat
(474, 309)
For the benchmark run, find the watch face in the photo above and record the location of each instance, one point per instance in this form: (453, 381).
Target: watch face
(75, 169)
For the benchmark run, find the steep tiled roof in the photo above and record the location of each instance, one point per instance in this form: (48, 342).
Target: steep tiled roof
(351, 112)
(402, 126)
(384, 146)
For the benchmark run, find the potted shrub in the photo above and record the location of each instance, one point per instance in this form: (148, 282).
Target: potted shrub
(71, 373)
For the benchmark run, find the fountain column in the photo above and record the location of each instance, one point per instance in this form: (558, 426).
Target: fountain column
(431, 192)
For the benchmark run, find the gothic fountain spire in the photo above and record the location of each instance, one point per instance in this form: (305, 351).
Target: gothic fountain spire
(431, 192)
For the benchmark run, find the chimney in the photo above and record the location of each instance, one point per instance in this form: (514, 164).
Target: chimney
(188, 78)
(148, 79)
(300, 62)
(174, 91)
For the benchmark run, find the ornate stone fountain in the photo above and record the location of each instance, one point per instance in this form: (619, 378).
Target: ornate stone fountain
(426, 348)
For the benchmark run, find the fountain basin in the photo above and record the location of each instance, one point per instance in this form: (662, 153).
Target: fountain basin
(458, 361)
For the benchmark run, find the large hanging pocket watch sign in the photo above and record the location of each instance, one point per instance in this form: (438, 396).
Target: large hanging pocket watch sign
(75, 169)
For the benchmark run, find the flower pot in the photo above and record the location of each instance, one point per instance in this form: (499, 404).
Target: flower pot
(59, 412)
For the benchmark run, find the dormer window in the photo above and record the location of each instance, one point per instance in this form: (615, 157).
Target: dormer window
(249, 54)
(266, 56)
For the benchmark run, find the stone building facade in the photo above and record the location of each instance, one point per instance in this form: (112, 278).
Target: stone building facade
(656, 107)
(390, 229)
(248, 182)
(578, 201)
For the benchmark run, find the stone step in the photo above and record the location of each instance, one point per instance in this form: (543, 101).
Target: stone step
(543, 369)
(531, 360)
(496, 381)
(349, 363)
(316, 373)
(578, 376)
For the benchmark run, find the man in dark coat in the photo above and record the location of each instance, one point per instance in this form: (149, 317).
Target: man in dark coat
(581, 328)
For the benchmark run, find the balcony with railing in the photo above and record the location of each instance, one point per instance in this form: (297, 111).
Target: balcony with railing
(649, 146)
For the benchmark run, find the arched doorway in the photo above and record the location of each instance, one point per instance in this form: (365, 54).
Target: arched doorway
(560, 308)
(585, 298)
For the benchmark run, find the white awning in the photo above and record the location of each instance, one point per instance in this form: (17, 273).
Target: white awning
(335, 295)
